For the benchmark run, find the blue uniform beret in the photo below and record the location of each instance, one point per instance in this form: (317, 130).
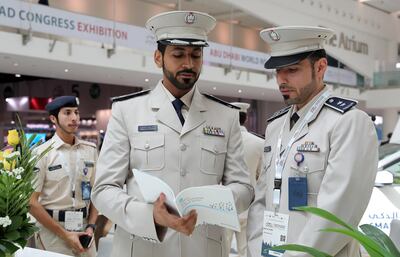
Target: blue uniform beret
(60, 102)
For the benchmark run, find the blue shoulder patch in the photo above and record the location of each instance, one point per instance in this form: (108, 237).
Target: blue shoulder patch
(340, 104)
(129, 96)
(211, 97)
(279, 113)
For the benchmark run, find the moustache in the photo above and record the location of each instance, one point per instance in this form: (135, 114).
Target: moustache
(285, 87)
(186, 71)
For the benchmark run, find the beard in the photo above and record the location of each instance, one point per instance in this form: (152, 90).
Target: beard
(186, 83)
(303, 93)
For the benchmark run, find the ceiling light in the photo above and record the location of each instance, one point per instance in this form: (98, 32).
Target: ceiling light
(66, 70)
(398, 65)
(18, 75)
(12, 122)
(214, 88)
(15, 64)
(239, 91)
(146, 80)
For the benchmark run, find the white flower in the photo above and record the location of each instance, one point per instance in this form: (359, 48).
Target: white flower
(12, 155)
(5, 222)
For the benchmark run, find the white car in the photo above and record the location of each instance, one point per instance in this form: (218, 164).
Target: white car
(384, 205)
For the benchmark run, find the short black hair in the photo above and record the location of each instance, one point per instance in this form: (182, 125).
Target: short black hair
(316, 55)
(161, 48)
(242, 117)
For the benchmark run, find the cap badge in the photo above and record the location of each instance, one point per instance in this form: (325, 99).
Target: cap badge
(190, 18)
(274, 35)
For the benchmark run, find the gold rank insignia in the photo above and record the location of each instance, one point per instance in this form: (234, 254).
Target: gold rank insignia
(308, 146)
(213, 131)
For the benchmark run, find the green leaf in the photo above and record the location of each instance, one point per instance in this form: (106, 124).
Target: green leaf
(12, 235)
(381, 238)
(373, 248)
(11, 248)
(21, 242)
(16, 222)
(301, 248)
(326, 215)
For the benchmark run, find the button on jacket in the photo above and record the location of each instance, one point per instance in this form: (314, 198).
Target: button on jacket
(181, 156)
(340, 168)
(56, 169)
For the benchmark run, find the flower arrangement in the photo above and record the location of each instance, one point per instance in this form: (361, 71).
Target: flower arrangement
(17, 174)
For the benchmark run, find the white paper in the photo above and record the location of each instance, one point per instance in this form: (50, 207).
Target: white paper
(73, 221)
(275, 230)
(214, 204)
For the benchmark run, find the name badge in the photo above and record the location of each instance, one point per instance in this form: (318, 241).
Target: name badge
(89, 164)
(73, 221)
(55, 167)
(147, 128)
(86, 190)
(275, 229)
(297, 192)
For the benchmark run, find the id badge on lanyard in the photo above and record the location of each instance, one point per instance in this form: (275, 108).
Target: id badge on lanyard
(275, 230)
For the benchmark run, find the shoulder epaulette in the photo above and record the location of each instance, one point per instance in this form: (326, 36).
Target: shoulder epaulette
(279, 113)
(129, 96)
(211, 97)
(340, 104)
(257, 135)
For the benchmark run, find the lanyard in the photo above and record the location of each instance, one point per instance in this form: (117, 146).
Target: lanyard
(280, 160)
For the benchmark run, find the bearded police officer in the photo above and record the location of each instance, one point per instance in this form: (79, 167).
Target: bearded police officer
(177, 134)
(319, 151)
(65, 175)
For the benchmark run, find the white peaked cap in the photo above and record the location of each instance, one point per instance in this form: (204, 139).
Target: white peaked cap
(291, 44)
(181, 27)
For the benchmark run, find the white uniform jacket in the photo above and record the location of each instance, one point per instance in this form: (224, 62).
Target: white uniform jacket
(181, 156)
(340, 177)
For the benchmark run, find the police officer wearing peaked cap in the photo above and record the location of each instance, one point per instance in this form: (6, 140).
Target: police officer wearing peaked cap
(65, 175)
(319, 151)
(177, 134)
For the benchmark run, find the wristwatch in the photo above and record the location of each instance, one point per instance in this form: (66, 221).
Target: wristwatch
(93, 226)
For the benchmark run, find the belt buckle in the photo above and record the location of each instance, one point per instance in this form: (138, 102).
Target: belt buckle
(277, 183)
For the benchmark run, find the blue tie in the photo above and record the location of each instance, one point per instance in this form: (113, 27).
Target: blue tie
(177, 103)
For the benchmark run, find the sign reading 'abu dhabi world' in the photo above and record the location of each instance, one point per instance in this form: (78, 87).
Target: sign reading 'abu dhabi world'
(44, 19)
(39, 18)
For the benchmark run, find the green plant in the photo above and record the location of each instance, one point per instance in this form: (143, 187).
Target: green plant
(17, 164)
(375, 242)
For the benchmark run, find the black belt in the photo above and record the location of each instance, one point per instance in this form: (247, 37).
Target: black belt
(61, 213)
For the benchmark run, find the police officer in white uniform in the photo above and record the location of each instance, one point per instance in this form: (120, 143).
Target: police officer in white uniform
(319, 151)
(65, 175)
(253, 149)
(177, 134)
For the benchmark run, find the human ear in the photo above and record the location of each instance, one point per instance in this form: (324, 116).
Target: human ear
(158, 58)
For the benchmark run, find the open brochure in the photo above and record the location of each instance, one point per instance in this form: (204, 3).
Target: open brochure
(214, 204)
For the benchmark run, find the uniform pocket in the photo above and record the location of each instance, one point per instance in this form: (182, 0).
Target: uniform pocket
(314, 168)
(212, 157)
(149, 152)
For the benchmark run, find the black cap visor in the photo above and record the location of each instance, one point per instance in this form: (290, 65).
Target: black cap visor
(276, 62)
(183, 42)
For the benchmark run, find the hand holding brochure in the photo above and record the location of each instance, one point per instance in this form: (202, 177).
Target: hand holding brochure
(214, 204)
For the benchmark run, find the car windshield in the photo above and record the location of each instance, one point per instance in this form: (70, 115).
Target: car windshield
(388, 149)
